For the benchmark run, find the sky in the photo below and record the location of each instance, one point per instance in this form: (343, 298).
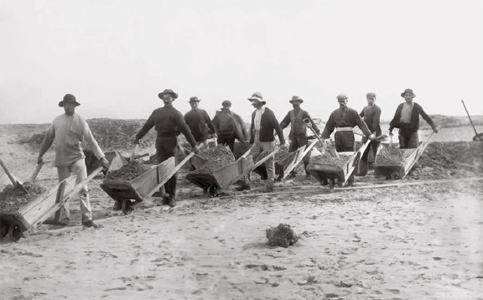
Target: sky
(116, 56)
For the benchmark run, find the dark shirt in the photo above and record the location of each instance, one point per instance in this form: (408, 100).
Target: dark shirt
(372, 118)
(344, 117)
(168, 122)
(414, 124)
(268, 124)
(197, 120)
(298, 127)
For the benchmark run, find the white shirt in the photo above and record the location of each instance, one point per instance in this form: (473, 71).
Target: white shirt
(406, 112)
(258, 118)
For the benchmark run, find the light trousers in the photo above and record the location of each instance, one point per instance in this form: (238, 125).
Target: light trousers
(78, 169)
(267, 147)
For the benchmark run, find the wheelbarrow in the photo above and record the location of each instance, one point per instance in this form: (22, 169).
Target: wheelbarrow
(218, 180)
(24, 220)
(132, 192)
(398, 164)
(336, 170)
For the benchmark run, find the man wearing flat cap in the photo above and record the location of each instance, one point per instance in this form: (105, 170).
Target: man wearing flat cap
(168, 123)
(298, 130)
(229, 126)
(199, 122)
(68, 131)
(371, 115)
(264, 123)
(406, 119)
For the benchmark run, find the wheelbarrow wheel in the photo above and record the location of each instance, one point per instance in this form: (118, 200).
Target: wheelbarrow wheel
(127, 206)
(395, 176)
(3, 229)
(14, 232)
(213, 190)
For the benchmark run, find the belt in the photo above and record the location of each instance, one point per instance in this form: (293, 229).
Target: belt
(344, 129)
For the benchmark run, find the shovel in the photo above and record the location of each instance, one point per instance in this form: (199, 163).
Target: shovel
(36, 171)
(15, 182)
(309, 125)
(133, 155)
(478, 136)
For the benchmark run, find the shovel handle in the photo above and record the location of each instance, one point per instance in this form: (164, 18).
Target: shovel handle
(471, 121)
(36, 171)
(133, 155)
(10, 176)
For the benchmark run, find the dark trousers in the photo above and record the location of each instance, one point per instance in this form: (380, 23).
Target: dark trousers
(374, 145)
(408, 139)
(227, 139)
(300, 140)
(344, 141)
(167, 147)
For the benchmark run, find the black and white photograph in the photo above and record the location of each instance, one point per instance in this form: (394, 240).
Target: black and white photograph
(241, 149)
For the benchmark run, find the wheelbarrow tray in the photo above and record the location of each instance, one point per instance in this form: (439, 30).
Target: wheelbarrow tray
(220, 179)
(31, 215)
(400, 166)
(140, 187)
(132, 192)
(324, 170)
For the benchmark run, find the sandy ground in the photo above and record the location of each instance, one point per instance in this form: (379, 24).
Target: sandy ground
(417, 240)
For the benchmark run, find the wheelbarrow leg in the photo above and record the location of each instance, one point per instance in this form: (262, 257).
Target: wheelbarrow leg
(3, 229)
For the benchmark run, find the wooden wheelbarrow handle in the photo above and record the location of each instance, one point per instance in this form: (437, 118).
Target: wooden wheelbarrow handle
(309, 125)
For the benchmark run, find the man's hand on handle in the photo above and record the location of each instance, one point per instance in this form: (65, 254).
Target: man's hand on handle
(40, 160)
(136, 141)
(105, 163)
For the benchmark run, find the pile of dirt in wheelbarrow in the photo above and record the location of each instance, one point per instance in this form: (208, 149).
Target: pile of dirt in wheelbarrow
(12, 198)
(328, 159)
(127, 172)
(391, 154)
(217, 158)
(449, 159)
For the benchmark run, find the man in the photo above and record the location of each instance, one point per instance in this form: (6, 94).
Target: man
(168, 122)
(406, 119)
(199, 122)
(343, 120)
(68, 131)
(372, 117)
(229, 126)
(298, 131)
(262, 139)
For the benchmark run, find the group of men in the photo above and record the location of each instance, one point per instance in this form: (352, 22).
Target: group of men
(69, 130)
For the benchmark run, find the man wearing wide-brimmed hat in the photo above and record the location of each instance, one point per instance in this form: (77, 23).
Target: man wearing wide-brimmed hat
(199, 122)
(168, 123)
(371, 115)
(229, 126)
(68, 131)
(298, 131)
(264, 123)
(406, 119)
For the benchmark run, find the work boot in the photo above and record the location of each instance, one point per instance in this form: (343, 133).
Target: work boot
(117, 205)
(89, 223)
(172, 201)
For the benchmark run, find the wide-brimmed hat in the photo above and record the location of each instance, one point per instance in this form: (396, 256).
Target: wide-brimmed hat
(194, 99)
(408, 91)
(168, 91)
(226, 103)
(296, 98)
(68, 98)
(258, 97)
(342, 97)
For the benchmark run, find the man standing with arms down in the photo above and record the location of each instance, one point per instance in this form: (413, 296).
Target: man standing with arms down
(69, 131)
(406, 119)
(229, 126)
(199, 122)
(298, 130)
(343, 120)
(262, 139)
(372, 117)
(168, 122)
